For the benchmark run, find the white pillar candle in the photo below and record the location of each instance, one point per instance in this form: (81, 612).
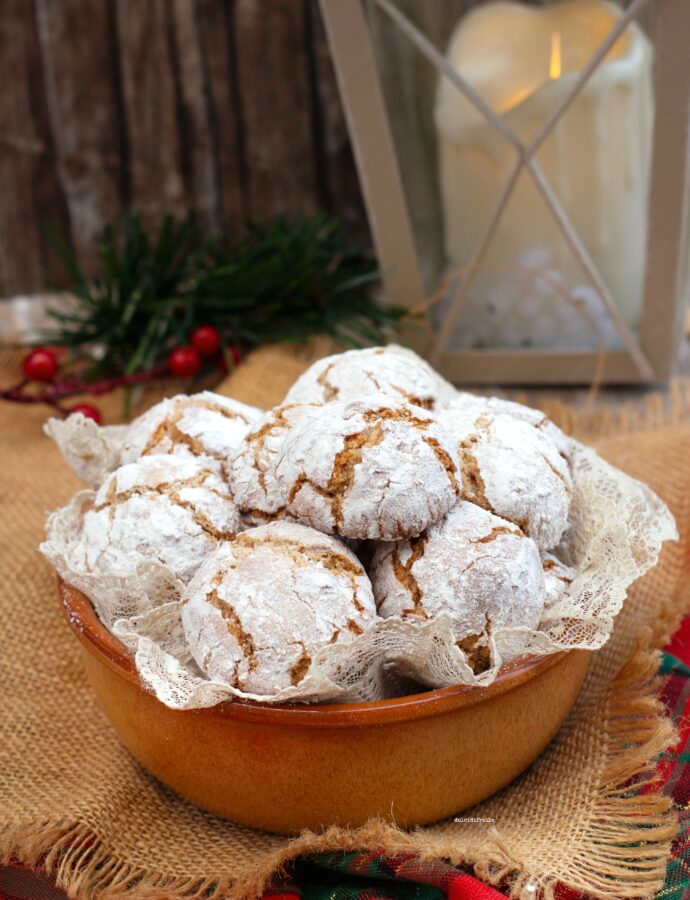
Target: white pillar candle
(597, 159)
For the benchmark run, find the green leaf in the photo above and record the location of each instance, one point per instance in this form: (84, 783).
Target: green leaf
(284, 280)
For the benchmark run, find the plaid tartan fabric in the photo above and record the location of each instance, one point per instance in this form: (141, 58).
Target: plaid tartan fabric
(674, 768)
(377, 876)
(369, 876)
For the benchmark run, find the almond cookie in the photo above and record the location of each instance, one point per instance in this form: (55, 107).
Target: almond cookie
(511, 468)
(393, 371)
(478, 569)
(199, 425)
(264, 604)
(164, 508)
(250, 471)
(473, 404)
(557, 577)
(368, 469)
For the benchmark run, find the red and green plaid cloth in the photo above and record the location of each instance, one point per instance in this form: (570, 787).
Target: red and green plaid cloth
(674, 767)
(369, 876)
(377, 876)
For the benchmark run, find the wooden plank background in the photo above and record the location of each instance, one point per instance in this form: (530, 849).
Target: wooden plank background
(224, 109)
(227, 110)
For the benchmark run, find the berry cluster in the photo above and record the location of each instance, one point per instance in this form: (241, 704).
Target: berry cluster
(42, 364)
(204, 341)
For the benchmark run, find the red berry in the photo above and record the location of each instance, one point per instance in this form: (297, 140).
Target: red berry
(184, 362)
(88, 410)
(206, 339)
(40, 365)
(234, 355)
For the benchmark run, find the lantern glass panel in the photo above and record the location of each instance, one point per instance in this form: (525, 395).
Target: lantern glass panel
(529, 288)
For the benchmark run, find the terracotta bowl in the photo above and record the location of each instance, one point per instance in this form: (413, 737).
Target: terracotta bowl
(415, 759)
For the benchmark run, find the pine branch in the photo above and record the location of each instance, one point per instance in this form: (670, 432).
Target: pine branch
(283, 281)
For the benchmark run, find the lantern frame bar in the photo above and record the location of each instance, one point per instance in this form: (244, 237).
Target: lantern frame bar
(377, 161)
(347, 29)
(666, 278)
(525, 160)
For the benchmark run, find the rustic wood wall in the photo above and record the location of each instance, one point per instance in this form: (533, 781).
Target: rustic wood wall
(225, 109)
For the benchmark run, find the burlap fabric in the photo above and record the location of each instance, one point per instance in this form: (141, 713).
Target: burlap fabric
(73, 800)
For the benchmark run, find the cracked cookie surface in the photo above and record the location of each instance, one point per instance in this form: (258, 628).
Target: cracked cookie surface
(262, 606)
(473, 404)
(250, 470)
(480, 570)
(368, 469)
(511, 467)
(161, 508)
(557, 578)
(204, 425)
(393, 371)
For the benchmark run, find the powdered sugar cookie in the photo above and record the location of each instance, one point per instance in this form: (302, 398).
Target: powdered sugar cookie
(263, 605)
(163, 508)
(557, 577)
(198, 425)
(368, 469)
(251, 469)
(480, 570)
(393, 371)
(472, 404)
(512, 469)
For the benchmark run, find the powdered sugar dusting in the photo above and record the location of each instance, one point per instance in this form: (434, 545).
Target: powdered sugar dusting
(557, 579)
(285, 612)
(250, 470)
(471, 565)
(160, 515)
(511, 468)
(368, 469)
(192, 426)
(261, 607)
(201, 425)
(393, 371)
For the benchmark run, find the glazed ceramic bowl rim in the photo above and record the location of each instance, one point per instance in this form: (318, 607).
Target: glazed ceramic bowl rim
(103, 645)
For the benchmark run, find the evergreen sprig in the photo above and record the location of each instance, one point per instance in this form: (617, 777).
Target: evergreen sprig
(282, 281)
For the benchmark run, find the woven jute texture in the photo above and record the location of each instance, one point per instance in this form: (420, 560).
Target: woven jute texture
(73, 800)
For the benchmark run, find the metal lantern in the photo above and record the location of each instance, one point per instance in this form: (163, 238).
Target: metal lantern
(627, 286)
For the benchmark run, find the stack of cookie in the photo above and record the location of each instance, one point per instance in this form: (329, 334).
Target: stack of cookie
(375, 490)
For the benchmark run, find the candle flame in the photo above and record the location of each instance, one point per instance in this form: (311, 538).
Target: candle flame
(555, 61)
(517, 98)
